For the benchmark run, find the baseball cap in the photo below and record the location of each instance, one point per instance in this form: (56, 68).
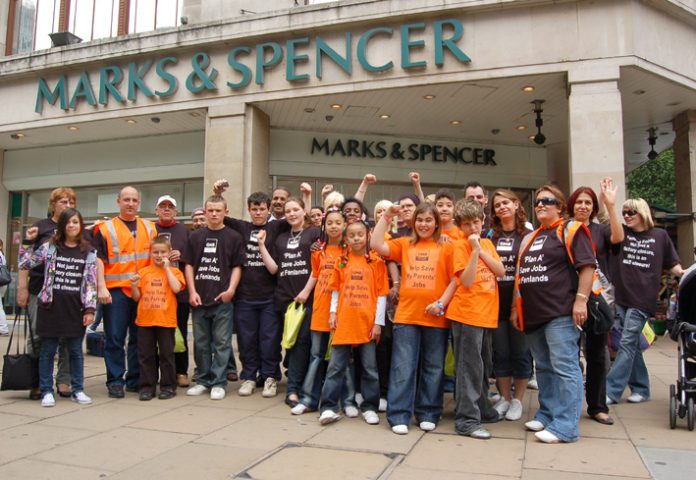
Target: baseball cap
(197, 211)
(165, 198)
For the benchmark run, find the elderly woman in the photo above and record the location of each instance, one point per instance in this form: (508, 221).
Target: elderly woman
(583, 207)
(554, 278)
(642, 256)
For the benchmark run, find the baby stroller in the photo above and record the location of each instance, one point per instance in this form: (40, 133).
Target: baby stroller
(683, 395)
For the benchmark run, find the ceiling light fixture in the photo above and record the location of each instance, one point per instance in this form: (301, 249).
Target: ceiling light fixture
(528, 88)
(17, 136)
(539, 138)
(652, 138)
(428, 97)
(131, 121)
(73, 128)
(309, 110)
(638, 92)
(155, 120)
(336, 106)
(384, 116)
(521, 127)
(455, 122)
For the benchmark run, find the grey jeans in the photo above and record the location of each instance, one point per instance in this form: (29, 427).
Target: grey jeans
(63, 374)
(472, 407)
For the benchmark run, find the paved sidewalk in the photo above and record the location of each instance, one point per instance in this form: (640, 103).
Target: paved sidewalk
(195, 438)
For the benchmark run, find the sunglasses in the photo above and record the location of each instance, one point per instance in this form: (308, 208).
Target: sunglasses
(547, 201)
(628, 213)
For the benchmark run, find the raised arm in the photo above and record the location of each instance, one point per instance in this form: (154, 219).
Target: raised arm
(368, 179)
(377, 242)
(268, 261)
(415, 180)
(306, 190)
(608, 194)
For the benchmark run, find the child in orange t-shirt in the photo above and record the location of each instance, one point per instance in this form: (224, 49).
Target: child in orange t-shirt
(359, 289)
(444, 203)
(473, 309)
(323, 263)
(419, 338)
(155, 288)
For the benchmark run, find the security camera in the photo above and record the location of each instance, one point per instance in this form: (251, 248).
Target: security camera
(329, 118)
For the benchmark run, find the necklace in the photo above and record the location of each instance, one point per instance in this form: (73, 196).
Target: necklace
(295, 236)
(508, 234)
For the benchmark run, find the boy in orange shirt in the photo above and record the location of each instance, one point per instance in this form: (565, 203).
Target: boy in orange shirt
(473, 309)
(155, 288)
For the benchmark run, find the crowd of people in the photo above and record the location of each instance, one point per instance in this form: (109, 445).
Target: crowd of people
(386, 297)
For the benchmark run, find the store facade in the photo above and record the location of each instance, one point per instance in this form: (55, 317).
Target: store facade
(330, 92)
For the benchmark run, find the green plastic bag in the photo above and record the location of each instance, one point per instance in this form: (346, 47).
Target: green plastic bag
(327, 357)
(294, 315)
(449, 361)
(179, 344)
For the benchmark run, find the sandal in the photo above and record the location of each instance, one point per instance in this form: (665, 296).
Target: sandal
(603, 418)
(292, 402)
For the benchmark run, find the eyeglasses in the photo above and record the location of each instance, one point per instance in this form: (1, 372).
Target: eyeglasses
(628, 213)
(546, 201)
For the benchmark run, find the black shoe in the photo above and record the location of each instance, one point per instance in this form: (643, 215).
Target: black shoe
(115, 391)
(166, 395)
(131, 389)
(63, 393)
(35, 394)
(145, 396)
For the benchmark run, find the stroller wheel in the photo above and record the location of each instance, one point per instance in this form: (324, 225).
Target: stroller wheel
(672, 407)
(690, 414)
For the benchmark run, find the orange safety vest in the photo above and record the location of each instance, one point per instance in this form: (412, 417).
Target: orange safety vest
(566, 231)
(126, 254)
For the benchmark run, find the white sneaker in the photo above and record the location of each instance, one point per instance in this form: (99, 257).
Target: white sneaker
(217, 393)
(359, 399)
(515, 410)
(382, 405)
(547, 437)
(81, 398)
(534, 426)
(196, 390)
(299, 409)
(502, 406)
(247, 388)
(427, 426)
(636, 398)
(533, 383)
(371, 417)
(400, 429)
(328, 416)
(270, 388)
(609, 401)
(351, 411)
(48, 400)
(481, 434)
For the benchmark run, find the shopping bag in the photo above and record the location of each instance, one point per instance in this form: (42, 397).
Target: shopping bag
(647, 336)
(449, 361)
(294, 315)
(327, 357)
(20, 370)
(179, 344)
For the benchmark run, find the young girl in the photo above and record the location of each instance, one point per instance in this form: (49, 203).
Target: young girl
(323, 263)
(419, 339)
(444, 202)
(67, 299)
(290, 261)
(358, 301)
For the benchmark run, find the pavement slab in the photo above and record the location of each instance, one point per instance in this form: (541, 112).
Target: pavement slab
(668, 464)
(355, 433)
(41, 470)
(104, 417)
(24, 440)
(193, 419)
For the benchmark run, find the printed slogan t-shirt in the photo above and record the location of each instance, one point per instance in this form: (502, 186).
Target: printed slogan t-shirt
(157, 304)
(641, 258)
(291, 252)
(323, 263)
(213, 254)
(359, 284)
(426, 270)
(508, 247)
(477, 305)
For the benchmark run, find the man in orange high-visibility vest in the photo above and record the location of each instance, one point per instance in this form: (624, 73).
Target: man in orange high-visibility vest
(123, 246)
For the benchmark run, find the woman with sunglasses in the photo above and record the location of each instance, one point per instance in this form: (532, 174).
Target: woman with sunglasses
(583, 206)
(550, 307)
(642, 256)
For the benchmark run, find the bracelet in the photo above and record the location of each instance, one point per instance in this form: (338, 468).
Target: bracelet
(581, 295)
(441, 307)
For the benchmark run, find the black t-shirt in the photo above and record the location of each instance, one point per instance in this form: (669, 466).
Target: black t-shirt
(508, 248)
(63, 317)
(548, 283)
(639, 261)
(100, 241)
(601, 237)
(257, 282)
(47, 229)
(178, 236)
(292, 253)
(213, 254)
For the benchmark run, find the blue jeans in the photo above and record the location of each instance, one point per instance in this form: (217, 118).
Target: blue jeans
(119, 320)
(49, 345)
(259, 333)
(336, 374)
(298, 355)
(311, 388)
(629, 367)
(555, 350)
(212, 326)
(416, 375)
(511, 357)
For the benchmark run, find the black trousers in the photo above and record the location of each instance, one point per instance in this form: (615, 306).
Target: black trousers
(149, 338)
(596, 372)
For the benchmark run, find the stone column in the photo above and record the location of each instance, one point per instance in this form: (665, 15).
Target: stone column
(237, 142)
(595, 126)
(684, 126)
(4, 207)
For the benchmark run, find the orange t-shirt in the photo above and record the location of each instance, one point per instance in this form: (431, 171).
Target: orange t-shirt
(358, 283)
(426, 270)
(157, 304)
(322, 269)
(478, 305)
(453, 233)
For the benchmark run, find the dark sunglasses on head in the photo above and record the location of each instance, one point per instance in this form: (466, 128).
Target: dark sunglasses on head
(546, 201)
(628, 213)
